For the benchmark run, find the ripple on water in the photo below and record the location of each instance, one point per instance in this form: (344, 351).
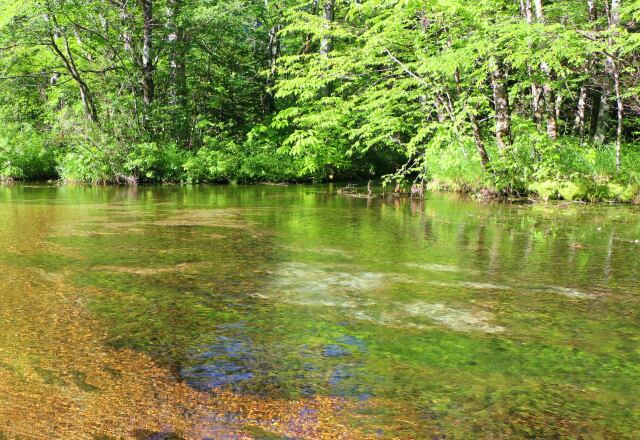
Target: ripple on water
(151, 271)
(458, 319)
(469, 285)
(327, 251)
(301, 276)
(307, 285)
(455, 318)
(570, 292)
(432, 267)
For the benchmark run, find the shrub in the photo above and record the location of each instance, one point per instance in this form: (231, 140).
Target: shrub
(149, 162)
(24, 154)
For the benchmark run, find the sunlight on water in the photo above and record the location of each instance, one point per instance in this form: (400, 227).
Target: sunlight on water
(272, 312)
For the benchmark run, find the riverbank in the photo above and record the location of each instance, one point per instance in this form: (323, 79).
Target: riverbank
(549, 191)
(569, 171)
(559, 191)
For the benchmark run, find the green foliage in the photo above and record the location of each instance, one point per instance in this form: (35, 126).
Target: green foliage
(91, 165)
(413, 78)
(149, 162)
(244, 90)
(451, 170)
(256, 160)
(24, 154)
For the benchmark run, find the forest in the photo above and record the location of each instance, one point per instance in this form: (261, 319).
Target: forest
(496, 97)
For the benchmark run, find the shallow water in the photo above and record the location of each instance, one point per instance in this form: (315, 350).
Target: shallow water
(290, 312)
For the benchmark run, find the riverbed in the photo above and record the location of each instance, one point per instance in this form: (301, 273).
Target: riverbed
(266, 312)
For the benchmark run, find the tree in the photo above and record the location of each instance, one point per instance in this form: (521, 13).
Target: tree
(504, 95)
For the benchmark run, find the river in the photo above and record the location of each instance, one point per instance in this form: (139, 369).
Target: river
(269, 312)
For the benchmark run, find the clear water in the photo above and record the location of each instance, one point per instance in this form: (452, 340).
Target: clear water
(291, 312)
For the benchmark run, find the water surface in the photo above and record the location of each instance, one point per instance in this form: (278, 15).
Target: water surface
(291, 312)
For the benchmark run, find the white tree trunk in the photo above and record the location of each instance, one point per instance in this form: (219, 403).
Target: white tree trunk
(501, 103)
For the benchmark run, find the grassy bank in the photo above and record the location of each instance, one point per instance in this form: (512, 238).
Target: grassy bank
(567, 170)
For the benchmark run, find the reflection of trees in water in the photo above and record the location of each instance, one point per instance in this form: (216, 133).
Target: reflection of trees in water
(208, 301)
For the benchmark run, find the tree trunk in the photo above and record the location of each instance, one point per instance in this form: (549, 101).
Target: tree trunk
(614, 22)
(614, 19)
(593, 12)
(549, 95)
(178, 91)
(578, 124)
(306, 49)
(126, 20)
(610, 86)
(602, 118)
(581, 111)
(148, 87)
(539, 10)
(68, 60)
(501, 103)
(536, 102)
(475, 127)
(440, 109)
(620, 114)
(550, 106)
(87, 101)
(477, 136)
(326, 44)
(536, 90)
(177, 54)
(274, 53)
(559, 101)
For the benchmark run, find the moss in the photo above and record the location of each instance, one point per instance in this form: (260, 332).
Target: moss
(571, 191)
(547, 190)
(622, 193)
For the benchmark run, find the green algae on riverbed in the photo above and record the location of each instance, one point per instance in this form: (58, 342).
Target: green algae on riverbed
(406, 319)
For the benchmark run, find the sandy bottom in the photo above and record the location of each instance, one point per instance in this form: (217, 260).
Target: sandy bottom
(58, 379)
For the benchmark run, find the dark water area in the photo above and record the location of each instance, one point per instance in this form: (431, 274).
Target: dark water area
(435, 318)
